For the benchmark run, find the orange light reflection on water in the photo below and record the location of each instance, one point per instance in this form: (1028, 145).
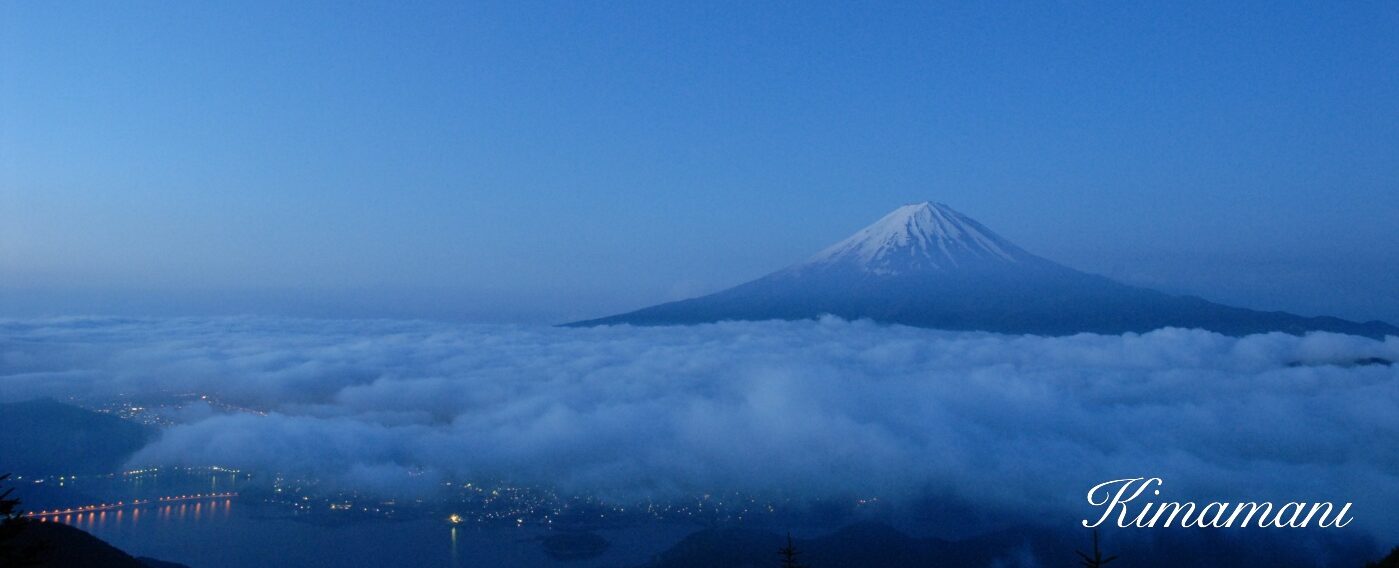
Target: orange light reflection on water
(165, 513)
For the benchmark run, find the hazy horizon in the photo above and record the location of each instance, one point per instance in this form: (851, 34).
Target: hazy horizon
(1263, 284)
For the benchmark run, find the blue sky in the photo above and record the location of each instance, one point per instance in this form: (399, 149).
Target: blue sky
(549, 161)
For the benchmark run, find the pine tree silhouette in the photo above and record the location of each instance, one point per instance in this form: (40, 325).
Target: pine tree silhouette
(1097, 560)
(789, 554)
(12, 523)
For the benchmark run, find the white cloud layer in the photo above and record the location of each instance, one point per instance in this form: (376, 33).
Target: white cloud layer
(1021, 426)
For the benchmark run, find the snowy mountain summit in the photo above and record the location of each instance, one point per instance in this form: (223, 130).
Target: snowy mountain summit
(927, 265)
(921, 236)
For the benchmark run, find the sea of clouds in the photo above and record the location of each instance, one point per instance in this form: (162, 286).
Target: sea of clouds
(1018, 425)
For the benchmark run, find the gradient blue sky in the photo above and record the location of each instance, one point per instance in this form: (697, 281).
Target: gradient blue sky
(549, 161)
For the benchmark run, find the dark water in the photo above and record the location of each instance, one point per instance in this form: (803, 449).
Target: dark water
(227, 533)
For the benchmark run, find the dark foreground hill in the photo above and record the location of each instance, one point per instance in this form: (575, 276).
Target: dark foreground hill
(56, 545)
(873, 544)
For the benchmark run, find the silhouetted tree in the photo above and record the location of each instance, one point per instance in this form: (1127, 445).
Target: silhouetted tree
(1391, 561)
(1097, 560)
(12, 519)
(789, 554)
(12, 523)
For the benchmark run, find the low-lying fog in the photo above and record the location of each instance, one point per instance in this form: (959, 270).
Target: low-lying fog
(1013, 427)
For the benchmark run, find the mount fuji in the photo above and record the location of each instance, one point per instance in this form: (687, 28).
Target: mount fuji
(926, 265)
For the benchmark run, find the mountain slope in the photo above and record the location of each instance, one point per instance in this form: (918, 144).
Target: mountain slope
(927, 265)
(47, 437)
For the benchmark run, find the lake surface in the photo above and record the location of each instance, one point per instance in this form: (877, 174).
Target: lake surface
(228, 533)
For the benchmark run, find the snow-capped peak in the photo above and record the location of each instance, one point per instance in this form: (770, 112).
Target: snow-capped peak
(922, 236)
